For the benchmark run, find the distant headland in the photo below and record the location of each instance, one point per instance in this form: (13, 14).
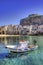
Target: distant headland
(32, 19)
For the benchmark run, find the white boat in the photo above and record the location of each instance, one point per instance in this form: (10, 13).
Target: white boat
(24, 50)
(22, 47)
(19, 50)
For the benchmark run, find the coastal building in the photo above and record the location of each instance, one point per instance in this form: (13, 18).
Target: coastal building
(19, 29)
(40, 28)
(33, 29)
(26, 29)
(15, 28)
(10, 29)
(3, 29)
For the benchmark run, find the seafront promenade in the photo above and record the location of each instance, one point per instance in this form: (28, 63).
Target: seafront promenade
(9, 35)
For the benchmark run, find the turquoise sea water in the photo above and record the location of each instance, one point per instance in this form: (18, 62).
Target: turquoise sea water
(30, 58)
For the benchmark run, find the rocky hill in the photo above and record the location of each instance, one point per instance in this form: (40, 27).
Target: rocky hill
(32, 19)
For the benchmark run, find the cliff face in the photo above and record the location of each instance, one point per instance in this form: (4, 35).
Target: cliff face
(32, 19)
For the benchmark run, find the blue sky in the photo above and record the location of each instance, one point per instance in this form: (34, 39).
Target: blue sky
(11, 11)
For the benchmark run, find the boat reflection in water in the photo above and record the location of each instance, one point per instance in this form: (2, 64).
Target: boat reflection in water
(17, 55)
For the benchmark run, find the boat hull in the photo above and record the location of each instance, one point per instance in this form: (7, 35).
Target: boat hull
(23, 50)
